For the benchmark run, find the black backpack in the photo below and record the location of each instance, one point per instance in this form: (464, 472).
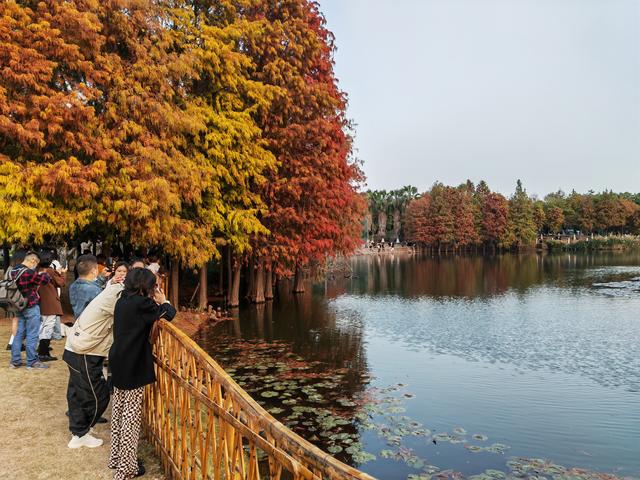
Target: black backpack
(11, 298)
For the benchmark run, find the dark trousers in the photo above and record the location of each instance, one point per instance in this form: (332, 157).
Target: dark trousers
(87, 392)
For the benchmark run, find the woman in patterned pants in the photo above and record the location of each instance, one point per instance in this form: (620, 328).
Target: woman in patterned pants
(139, 306)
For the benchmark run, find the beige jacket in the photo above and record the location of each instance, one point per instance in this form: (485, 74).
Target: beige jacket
(92, 334)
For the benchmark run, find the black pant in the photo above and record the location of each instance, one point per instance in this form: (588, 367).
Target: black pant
(87, 392)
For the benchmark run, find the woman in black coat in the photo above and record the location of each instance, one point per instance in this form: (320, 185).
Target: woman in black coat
(140, 305)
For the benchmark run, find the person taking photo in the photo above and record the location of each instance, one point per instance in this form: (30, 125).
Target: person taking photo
(141, 304)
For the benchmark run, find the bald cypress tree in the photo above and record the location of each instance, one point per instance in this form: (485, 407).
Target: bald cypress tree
(522, 226)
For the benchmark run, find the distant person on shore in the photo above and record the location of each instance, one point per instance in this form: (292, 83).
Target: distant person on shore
(141, 304)
(50, 306)
(16, 259)
(88, 344)
(28, 281)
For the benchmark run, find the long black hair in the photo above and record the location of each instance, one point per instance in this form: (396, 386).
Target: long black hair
(46, 257)
(139, 281)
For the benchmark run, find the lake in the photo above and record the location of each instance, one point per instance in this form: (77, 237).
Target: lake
(412, 366)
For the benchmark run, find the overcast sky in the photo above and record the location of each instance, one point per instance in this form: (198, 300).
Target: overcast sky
(543, 90)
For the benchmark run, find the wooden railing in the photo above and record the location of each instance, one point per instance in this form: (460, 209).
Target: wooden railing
(204, 426)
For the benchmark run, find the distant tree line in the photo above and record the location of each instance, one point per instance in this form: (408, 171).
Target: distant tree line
(472, 216)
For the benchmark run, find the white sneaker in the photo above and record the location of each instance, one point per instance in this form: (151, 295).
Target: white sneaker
(87, 440)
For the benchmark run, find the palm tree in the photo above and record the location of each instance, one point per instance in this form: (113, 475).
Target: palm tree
(378, 204)
(400, 200)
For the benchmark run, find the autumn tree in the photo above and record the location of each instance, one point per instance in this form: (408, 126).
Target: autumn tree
(521, 222)
(463, 210)
(415, 220)
(495, 220)
(440, 221)
(53, 151)
(479, 194)
(312, 205)
(554, 219)
(107, 117)
(539, 215)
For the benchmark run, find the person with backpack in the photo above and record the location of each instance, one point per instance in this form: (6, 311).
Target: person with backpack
(16, 259)
(26, 282)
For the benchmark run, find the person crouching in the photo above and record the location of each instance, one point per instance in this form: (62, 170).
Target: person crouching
(141, 304)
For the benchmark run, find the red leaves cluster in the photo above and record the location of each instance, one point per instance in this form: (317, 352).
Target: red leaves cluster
(457, 217)
(313, 208)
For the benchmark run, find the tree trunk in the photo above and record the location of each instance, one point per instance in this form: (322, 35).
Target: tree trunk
(175, 283)
(5, 256)
(234, 288)
(259, 283)
(221, 277)
(229, 271)
(298, 281)
(268, 285)
(382, 225)
(251, 287)
(396, 225)
(203, 298)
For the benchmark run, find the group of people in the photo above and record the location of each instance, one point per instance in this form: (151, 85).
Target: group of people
(114, 311)
(39, 277)
(380, 246)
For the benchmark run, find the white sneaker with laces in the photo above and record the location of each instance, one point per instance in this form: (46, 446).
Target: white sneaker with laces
(87, 440)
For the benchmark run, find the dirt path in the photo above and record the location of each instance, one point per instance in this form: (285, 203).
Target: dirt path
(34, 428)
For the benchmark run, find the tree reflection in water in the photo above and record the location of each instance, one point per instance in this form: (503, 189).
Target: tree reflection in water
(304, 356)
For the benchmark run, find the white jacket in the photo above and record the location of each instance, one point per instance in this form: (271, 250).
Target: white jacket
(92, 334)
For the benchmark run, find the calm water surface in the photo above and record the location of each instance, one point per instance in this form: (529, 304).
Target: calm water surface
(466, 365)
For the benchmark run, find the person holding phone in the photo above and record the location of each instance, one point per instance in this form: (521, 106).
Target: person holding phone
(50, 305)
(140, 305)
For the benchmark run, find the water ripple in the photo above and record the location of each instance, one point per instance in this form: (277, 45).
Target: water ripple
(546, 328)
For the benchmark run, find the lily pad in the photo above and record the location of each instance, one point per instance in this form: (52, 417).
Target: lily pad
(363, 457)
(474, 448)
(441, 437)
(269, 394)
(387, 454)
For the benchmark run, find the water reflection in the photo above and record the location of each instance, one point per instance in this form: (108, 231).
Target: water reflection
(474, 276)
(537, 353)
(302, 366)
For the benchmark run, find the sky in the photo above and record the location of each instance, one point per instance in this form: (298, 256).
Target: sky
(547, 91)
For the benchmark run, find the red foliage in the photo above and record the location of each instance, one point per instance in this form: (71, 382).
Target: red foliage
(313, 208)
(495, 218)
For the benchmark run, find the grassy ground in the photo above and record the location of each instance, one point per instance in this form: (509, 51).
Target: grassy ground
(33, 442)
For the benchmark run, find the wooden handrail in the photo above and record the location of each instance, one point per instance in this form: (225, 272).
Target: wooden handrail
(203, 425)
